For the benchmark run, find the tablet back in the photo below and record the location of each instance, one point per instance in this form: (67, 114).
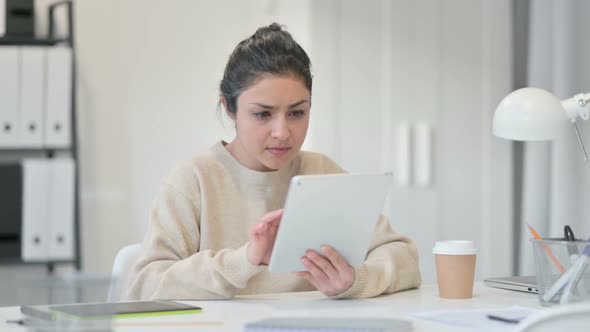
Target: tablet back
(339, 210)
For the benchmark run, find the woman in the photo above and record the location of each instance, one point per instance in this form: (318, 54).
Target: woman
(213, 226)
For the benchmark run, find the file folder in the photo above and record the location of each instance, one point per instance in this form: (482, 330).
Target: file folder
(11, 211)
(32, 97)
(61, 209)
(9, 75)
(59, 97)
(2, 18)
(35, 223)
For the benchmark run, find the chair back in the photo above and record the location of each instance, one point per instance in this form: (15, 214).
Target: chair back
(124, 260)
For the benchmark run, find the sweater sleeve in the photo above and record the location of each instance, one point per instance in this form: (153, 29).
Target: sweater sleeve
(391, 265)
(171, 265)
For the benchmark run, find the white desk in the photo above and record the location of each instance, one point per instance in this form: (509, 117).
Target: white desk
(231, 315)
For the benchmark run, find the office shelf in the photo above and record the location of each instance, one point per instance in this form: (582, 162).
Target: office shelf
(14, 154)
(14, 261)
(25, 41)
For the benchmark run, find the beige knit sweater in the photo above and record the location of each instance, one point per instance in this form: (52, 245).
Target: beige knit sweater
(195, 246)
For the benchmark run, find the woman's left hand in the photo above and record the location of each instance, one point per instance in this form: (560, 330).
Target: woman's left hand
(329, 273)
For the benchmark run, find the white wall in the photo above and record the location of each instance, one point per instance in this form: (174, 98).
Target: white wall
(383, 63)
(103, 132)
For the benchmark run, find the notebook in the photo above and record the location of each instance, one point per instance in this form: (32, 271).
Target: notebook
(306, 324)
(527, 284)
(101, 310)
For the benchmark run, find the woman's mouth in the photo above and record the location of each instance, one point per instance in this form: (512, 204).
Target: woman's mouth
(279, 151)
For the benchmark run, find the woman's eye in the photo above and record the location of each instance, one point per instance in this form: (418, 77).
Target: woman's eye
(298, 113)
(262, 114)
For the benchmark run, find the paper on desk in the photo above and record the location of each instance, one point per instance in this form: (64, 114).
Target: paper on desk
(477, 319)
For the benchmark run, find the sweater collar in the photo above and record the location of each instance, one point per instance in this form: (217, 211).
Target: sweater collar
(252, 176)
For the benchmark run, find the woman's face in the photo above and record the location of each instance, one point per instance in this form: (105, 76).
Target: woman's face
(271, 119)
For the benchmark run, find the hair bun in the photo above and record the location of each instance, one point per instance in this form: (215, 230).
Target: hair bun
(274, 27)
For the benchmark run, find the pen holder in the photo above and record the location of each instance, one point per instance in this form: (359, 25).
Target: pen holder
(562, 271)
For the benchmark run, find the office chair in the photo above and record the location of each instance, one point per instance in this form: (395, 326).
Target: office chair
(571, 317)
(124, 260)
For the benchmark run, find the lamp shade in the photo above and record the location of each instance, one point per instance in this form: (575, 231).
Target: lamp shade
(529, 114)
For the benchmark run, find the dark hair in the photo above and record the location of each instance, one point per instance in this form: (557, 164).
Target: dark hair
(271, 50)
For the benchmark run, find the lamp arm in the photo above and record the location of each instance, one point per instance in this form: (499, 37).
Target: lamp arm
(576, 107)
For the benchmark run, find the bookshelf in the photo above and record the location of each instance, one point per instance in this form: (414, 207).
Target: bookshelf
(40, 150)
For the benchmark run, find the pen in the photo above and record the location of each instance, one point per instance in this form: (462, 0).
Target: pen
(503, 319)
(575, 278)
(563, 280)
(547, 250)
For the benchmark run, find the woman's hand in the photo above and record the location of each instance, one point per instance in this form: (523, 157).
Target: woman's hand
(329, 273)
(262, 238)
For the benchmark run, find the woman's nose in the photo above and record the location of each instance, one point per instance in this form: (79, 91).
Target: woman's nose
(280, 129)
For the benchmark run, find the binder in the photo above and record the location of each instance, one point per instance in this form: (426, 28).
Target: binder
(59, 96)
(48, 209)
(11, 211)
(32, 96)
(61, 209)
(2, 18)
(9, 76)
(35, 224)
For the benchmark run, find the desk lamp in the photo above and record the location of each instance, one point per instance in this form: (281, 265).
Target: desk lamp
(533, 114)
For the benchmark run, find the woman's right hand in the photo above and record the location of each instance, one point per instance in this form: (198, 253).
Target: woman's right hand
(262, 238)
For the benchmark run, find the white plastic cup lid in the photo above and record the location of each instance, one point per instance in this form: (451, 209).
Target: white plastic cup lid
(454, 248)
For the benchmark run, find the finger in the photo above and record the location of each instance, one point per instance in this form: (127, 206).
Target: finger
(274, 225)
(346, 273)
(256, 230)
(302, 274)
(322, 263)
(337, 260)
(264, 232)
(270, 229)
(314, 270)
(272, 216)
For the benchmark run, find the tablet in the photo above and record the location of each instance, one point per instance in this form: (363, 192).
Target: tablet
(339, 210)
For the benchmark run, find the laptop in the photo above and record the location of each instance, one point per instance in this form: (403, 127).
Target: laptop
(527, 284)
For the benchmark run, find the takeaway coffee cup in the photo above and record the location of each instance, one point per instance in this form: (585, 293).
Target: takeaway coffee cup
(455, 268)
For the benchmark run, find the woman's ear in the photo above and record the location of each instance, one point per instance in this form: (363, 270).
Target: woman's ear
(226, 109)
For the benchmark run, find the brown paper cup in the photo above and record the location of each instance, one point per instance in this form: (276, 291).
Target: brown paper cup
(455, 268)
(454, 274)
